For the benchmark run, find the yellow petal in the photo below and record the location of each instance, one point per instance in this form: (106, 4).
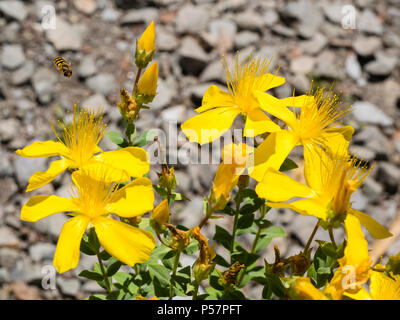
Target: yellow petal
(128, 244)
(275, 107)
(214, 97)
(40, 149)
(39, 207)
(337, 139)
(226, 179)
(356, 251)
(66, 256)
(301, 288)
(132, 160)
(271, 153)
(298, 101)
(278, 187)
(39, 179)
(306, 207)
(376, 230)
(315, 160)
(270, 81)
(210, 125)
(384, 288)
(161, 213)
(134, 199)
(148, 38)
(148, 81)
(257, 122)
(360, 295)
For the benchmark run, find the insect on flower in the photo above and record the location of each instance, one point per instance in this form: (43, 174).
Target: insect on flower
(63, 66)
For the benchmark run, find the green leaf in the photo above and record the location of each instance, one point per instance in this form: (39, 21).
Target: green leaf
(113, 295)
(93, 240)
(104, 255)
(97, 297)
(91, 275)
(130, 131)
(262, 243)
(287, 165)
(223, 237)
(267, 235)
(245, 221)
(85, 247)
(159, 272)
(145, 138)
(115, 137)
(243, 256)
(221, 261)
(276, 285)
(324, 270)
(328, 248)
(274, 232)
(192, 247)
(113, 266)
(228, 210)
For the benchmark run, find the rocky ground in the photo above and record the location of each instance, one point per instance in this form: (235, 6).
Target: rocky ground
(305, 38)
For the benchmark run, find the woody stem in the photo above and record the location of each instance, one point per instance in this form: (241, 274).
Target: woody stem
(136, 80)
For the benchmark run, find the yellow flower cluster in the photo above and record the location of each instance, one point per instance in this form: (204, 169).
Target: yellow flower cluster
(110, 184)
(96, 177)
(312, 121)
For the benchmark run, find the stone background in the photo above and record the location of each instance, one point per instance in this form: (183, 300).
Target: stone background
(305, 38)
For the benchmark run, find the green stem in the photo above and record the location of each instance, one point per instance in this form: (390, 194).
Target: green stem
(174, 268)
(196, 290)
(311, 237)
(332, 237)
(103, 271)
(253, 249)
(235, 224)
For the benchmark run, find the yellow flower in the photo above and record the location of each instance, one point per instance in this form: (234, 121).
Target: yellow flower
(78, 149)
(301, 288)
(148, 82)
(219, 108)
(330, 185)
(233, 164)
(314, 126)
(381, 287)
(147, 40)
(92, 201)
(355, 267)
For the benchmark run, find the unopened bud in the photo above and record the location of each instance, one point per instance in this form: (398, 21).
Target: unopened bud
(166, 178)
(160, 216)
(147, 85)
(145, 47)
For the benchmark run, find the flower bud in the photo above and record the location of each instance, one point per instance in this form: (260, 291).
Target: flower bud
(128, 107)
(180, 238)
(160, 216)
(145, 47)
(147, 85)
(166, 178)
